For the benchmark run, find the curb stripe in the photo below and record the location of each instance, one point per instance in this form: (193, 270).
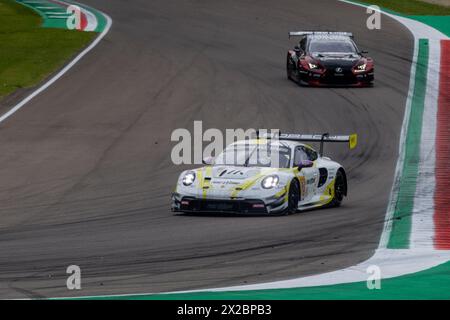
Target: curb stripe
(401, 225)
(54, 14)
(442, 194)
(101, 20)
(85, 22)
(89, 20)
(422, 229)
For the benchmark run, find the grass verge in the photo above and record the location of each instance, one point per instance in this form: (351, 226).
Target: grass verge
(412, 7)
(29, 53)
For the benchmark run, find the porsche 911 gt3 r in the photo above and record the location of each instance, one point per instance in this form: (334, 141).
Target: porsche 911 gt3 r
(328, 59)
(265, 176)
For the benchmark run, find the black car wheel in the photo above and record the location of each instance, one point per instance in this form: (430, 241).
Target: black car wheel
(289, 68)
(339, 189)
(293, 197)
(300, 82)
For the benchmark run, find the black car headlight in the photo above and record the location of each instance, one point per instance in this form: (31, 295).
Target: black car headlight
(313, 65)
(361, 67)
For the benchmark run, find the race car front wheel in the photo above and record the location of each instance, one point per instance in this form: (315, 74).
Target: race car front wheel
(290, 67)
(293, 197)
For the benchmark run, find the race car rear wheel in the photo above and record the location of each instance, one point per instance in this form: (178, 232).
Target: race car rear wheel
(339, 189)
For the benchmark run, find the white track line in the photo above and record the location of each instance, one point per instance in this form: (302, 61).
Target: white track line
(384, 239)
(392, 262)
(61, 72)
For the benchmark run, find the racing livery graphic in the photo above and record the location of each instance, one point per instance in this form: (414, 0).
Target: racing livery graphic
(328, 59)
(266, 175)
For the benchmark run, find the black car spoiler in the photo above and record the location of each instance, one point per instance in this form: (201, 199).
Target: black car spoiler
(322, 138)
(324, 33)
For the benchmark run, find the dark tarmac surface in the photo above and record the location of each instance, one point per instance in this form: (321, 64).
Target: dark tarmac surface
(85, 167)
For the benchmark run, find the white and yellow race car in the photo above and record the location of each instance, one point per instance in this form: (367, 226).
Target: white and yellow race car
(269, 175)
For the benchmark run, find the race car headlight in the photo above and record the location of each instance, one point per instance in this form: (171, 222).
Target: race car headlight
(361, 67)
(189, 178)
(313, 65)
(270, 182)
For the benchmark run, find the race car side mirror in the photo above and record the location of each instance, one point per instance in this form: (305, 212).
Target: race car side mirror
(208, 160)
(305, 164)
(297, 50)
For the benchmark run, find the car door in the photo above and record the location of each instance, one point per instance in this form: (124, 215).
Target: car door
(310, 175)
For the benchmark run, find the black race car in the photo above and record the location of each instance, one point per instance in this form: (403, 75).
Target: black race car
(328, 59)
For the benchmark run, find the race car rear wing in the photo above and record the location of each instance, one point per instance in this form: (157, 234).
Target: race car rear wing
(324, 33)
(322, 138)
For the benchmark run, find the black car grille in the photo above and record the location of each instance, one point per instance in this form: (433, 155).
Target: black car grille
(227, 206)
(346, 76)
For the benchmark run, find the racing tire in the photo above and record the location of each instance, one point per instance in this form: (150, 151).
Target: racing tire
(288, 69)
(293, 198)
(301, 83)
(339, 189)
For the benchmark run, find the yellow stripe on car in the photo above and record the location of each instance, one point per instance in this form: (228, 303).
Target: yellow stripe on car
(206, 183)
(249, 183)
(199, 174)
(328, 194)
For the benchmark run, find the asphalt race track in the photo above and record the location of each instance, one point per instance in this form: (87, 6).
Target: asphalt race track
(85, 167)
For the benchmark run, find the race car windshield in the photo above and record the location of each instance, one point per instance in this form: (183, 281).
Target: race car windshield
(255, 156)
(322, 46)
